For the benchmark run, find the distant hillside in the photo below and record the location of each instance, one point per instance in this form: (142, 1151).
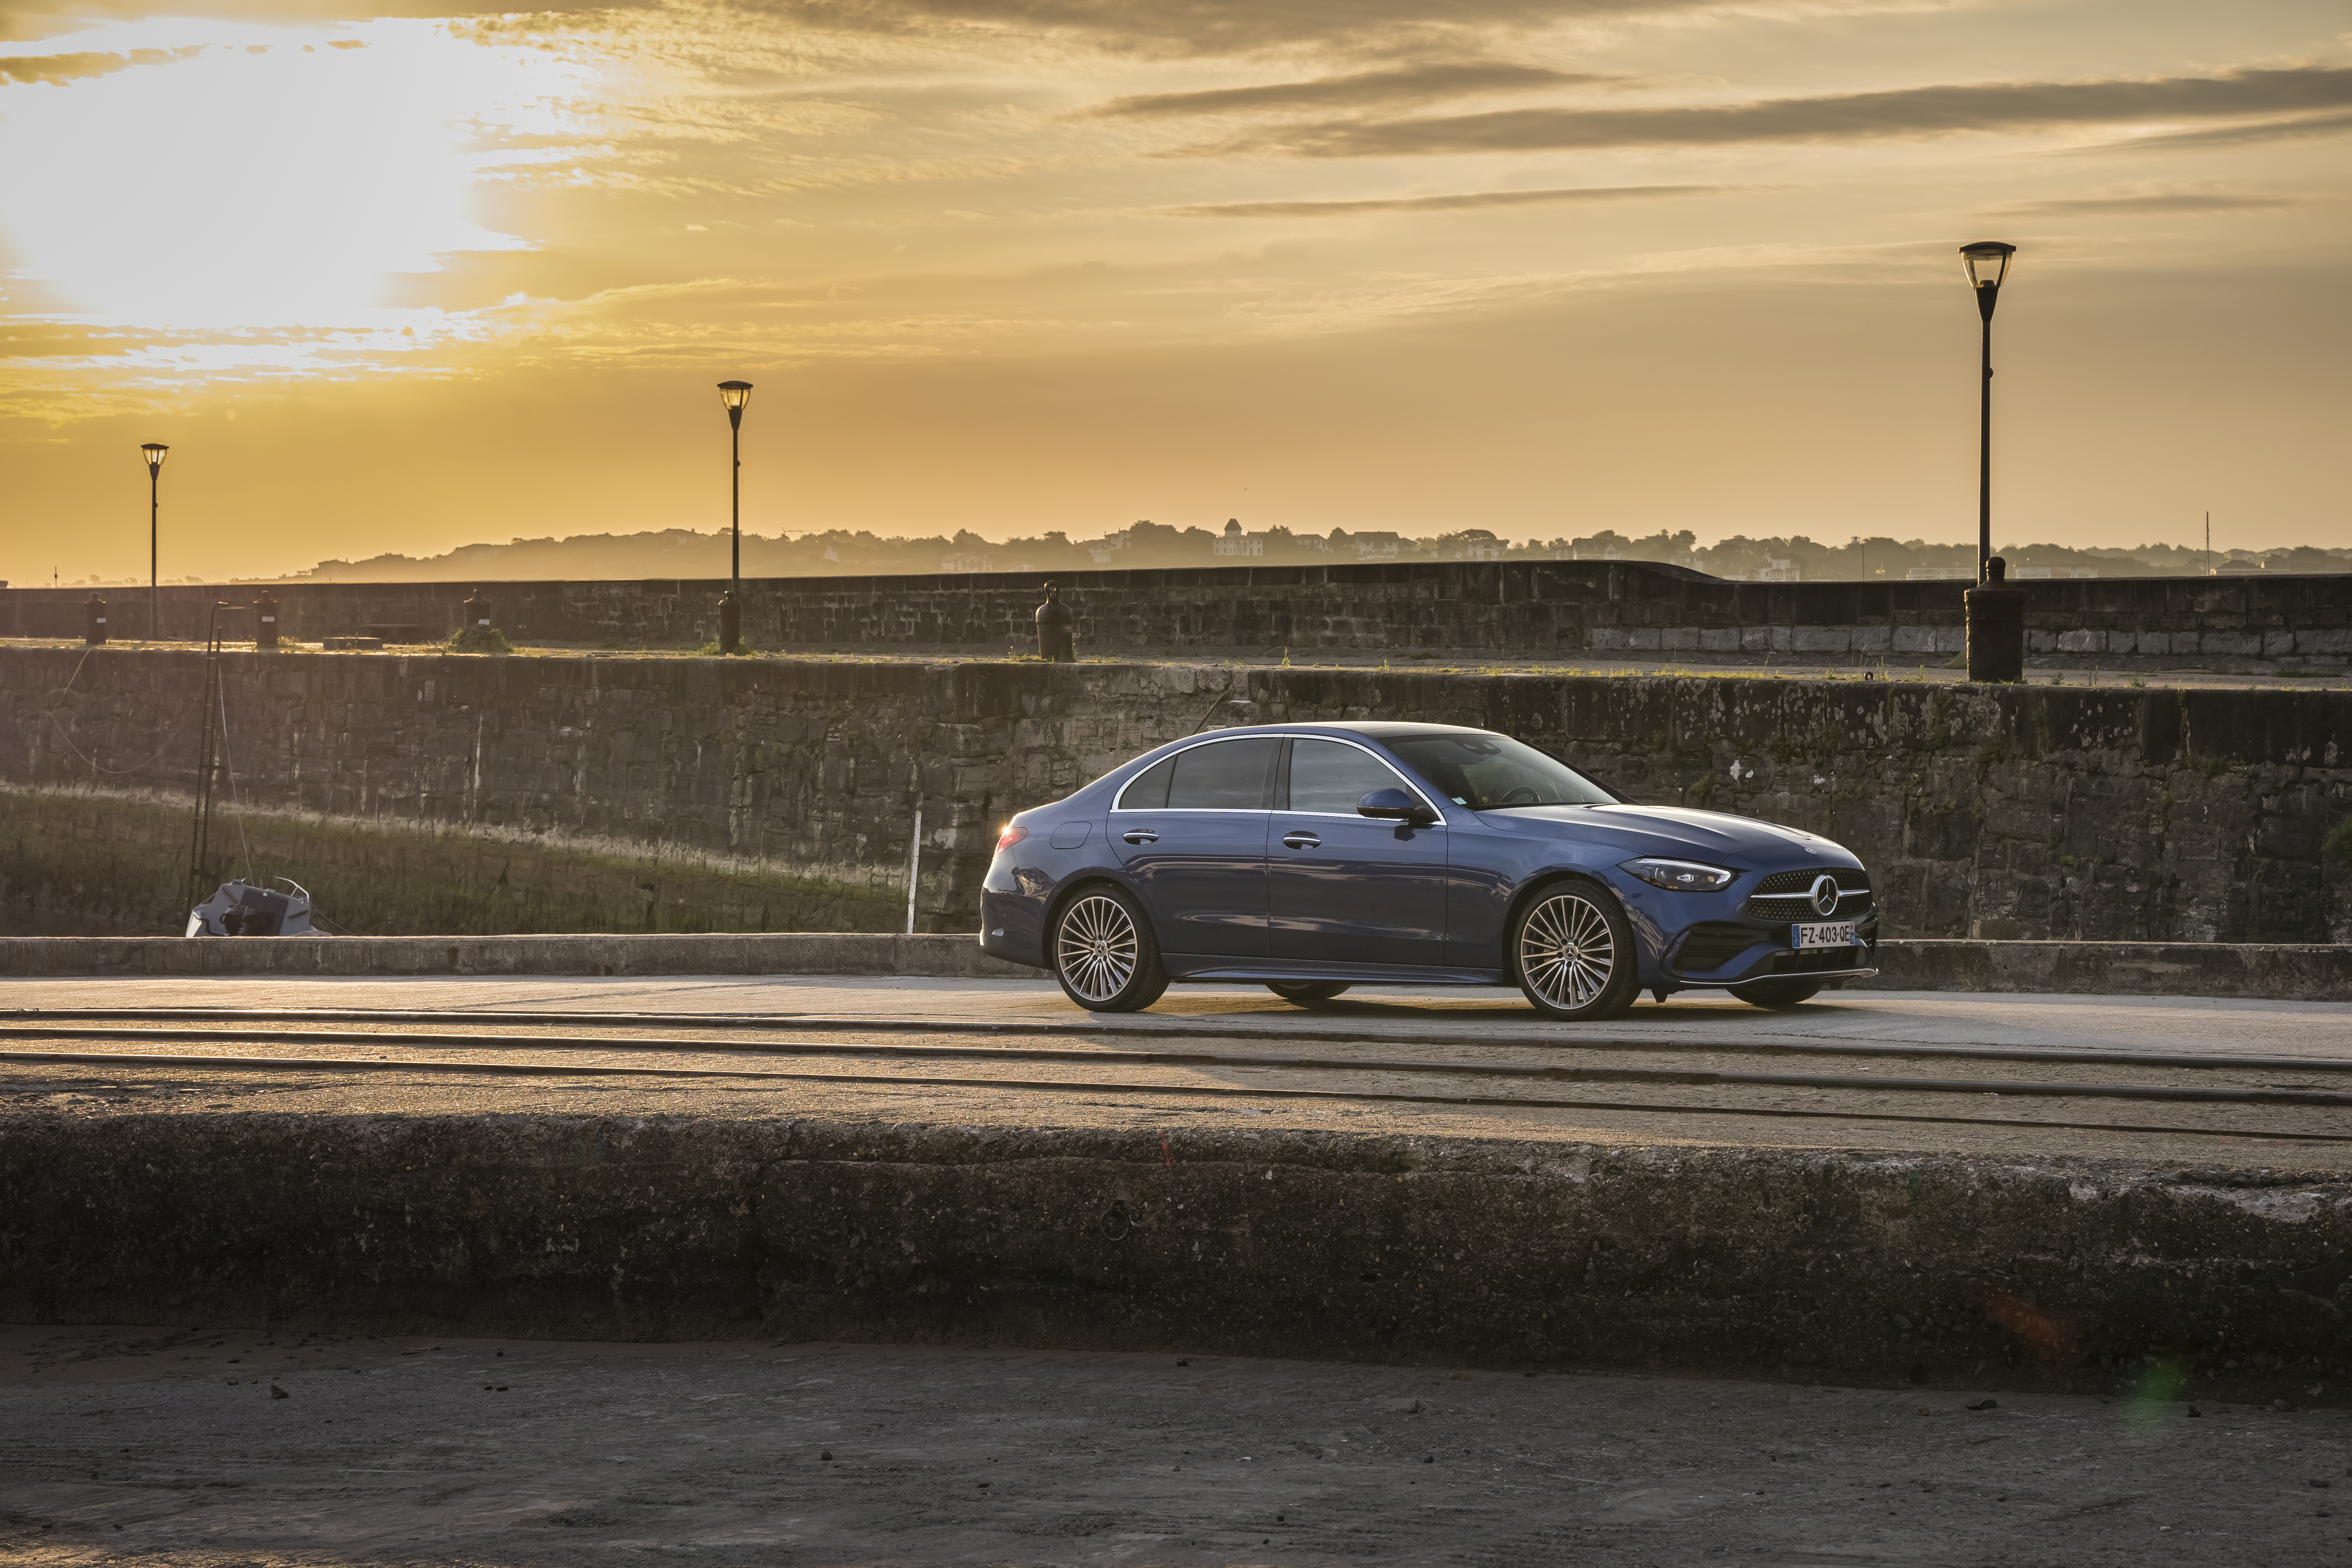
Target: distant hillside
(675, 552)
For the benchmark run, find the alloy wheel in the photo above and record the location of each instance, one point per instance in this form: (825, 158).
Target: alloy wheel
(1565, 952)
(1096, 948)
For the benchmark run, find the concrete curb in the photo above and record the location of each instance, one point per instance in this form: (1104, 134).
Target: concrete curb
(2313, 973)
(2277, 972)
(787, 952)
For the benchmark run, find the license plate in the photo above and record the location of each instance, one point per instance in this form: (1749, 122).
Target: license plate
(1838, 935)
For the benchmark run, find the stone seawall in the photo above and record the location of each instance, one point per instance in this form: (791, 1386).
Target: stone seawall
(2025, 812)
(2028, 1272)
(1530, 607)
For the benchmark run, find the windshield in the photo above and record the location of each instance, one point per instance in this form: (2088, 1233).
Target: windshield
(1495, 773)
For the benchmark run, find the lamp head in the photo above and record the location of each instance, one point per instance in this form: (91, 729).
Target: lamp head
(1986, 261)
(154, 452)
(735, 395)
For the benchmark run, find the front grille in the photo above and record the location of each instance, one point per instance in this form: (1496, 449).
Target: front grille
(1711, 944)
(1783, 895)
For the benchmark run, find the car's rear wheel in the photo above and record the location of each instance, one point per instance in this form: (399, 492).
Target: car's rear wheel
(1306, 993)
(1776, 993)
(1572, 949)
(1104, 952)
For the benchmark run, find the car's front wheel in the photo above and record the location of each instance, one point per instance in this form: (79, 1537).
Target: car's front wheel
(1776, 993)
(1306, 993)
(1572, 949)
(1104, 952)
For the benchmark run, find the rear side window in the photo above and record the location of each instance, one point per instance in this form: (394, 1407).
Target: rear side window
(1149, 790)
(1327, 776)
(1223, 775)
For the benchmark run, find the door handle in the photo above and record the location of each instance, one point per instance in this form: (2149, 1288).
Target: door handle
(1140, 836)
(1301, 841)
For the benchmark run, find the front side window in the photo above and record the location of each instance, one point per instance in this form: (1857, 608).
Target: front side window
(1327, 776)
(1495, 773)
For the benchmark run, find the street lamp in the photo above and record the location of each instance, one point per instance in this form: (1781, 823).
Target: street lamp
(734, 395)
(1986, 261)
(154, 452)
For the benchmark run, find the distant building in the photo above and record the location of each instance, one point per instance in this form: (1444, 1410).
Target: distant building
(1940, 574)
(1777, 569)
(1103, 549)
(1376, 546)
(1236, 542)
(971, 561)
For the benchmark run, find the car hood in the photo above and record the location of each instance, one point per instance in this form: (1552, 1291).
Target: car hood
(1673, 830)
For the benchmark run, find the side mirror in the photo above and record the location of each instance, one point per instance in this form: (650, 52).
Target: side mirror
(1396, 806)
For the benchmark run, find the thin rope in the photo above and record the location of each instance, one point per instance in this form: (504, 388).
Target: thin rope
(236, 810)
(92, 762)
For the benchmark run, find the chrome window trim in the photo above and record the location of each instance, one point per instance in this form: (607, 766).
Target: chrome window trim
(1119, 803)
(1417, 792)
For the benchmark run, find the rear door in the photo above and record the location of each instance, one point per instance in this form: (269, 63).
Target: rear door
(1191, 831)
(1344, 888)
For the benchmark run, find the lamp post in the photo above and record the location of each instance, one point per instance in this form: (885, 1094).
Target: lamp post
(1986, 261)
(735, 395)
(155, 451)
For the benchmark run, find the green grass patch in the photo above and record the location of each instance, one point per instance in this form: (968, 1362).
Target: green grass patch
(101, 865)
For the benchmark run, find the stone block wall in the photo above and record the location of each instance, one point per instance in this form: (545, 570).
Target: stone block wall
(1560, 608)
(2037, 812)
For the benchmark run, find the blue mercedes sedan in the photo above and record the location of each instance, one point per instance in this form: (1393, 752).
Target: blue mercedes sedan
(1316, 856)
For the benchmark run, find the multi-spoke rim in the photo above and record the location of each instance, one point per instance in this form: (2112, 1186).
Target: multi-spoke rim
(1096, 948)
(1566, 951)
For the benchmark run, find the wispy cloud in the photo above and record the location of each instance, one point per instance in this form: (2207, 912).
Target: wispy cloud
(2010, 106)
(1210, 27)
(2150, 202)
(1459, 202)
(1405, 84)
(2302, 128)
(55, 70)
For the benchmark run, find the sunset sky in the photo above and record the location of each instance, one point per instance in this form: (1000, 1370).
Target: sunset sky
(404, 281)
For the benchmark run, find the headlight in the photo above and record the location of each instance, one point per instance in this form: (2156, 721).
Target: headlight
(1680, 876)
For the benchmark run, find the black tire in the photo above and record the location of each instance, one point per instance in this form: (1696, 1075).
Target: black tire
(1571, 951)
(1306, 993)
(1104, 953)
(1776, 993)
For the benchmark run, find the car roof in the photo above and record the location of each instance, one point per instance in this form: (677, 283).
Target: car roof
(1376, 729)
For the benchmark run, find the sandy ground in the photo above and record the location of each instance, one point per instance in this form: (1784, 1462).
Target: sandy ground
(172, 1447)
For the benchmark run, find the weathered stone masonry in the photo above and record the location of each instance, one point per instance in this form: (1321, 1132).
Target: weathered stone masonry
(2037, 812)
(1553, 607)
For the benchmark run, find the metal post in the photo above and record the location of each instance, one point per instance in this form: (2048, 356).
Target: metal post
(1984, 457)
(914, 864)
(735, 525)
(154, 603)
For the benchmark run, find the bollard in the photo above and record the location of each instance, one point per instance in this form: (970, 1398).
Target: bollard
(265, 624)
(1058, 629)
(93, 625)
(477, 611)
(731, 623)
(1996, 612)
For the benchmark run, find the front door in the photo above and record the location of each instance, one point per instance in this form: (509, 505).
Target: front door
(1344, 888)
(1191, 830)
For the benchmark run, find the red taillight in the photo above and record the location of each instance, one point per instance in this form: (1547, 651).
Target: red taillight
(1009, 836)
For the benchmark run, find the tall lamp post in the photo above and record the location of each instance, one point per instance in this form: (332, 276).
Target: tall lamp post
(1987, 261)
(154, 452)
(735, 395)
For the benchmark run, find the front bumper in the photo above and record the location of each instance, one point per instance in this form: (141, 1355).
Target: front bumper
(1709, 954)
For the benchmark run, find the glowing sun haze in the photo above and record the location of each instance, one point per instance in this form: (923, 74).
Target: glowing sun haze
(411, 279)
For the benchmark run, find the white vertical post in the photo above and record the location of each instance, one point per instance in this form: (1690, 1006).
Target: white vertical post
(914, 864)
